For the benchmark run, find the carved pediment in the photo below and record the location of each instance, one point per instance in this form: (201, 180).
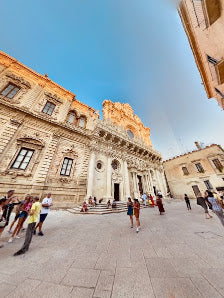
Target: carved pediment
(20, 80)
(70, 151)
(53, 97)
(30, 140)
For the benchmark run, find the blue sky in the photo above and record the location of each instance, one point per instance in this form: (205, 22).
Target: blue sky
(124, 50)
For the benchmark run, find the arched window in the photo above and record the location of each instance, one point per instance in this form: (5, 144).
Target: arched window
(82, 122)
(130, 134)
(72, 118)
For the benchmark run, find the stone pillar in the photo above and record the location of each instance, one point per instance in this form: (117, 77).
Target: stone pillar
(163, 182)
(147, 182)
(45, 165)
(126, 181)
(8, 133)
(109, 171)
(136, 193)
(91, 174)
(145, 185)
(151, 183)
(159, 181)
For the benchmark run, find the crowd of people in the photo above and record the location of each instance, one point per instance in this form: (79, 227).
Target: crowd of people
(214, 202)
(29, 208)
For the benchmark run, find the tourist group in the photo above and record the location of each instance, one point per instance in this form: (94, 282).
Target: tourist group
(29, 207)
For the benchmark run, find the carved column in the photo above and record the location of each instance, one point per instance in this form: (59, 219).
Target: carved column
(45, 165)
(163, 182)
(150, 181)
(145, 185)
(136, 192)
(126, 181)
(109, 172)
(159, 180)
(91, 174)
(8, 133)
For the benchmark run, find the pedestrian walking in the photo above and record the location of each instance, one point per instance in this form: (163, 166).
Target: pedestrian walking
(5, 212)
(46, 205)
(34, 214)
(130, 210)
(22, 217)
(202, 202)
(136, 208)
(187, 200)
(17, 211)
(159, 203)
(217, 209)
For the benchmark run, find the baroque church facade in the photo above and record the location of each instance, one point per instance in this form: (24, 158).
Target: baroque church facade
(52, 142)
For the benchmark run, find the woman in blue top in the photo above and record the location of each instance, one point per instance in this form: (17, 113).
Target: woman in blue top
(130, 210)
(215, 205)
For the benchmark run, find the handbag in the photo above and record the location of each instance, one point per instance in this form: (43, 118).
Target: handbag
(2, 223)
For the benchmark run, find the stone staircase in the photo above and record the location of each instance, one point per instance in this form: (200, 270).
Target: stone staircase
(102, 209)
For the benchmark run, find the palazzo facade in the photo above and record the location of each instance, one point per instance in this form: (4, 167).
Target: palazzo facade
(50, 141)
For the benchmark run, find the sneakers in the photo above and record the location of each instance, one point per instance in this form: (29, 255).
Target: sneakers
(137, 230)
(40, 233)
(10, 240)
(17, 237)
(34, 232)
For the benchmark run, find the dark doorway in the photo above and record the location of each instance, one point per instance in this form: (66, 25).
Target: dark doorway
(140, 184)
(154, 189)
(116, 192)
(196, 190)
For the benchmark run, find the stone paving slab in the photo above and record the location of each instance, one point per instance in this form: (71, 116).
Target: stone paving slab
(179, 254)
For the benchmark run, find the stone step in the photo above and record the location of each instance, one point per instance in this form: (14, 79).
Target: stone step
(101, 209)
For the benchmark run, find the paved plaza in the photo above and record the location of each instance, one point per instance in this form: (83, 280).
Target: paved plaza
(179, 254)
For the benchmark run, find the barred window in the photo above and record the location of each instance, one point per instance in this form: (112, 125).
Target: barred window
(10, 91)
(185, 170)
(199, 167)
(208, 184)
(48, 108)
(23, 158)
(66, 167)
(217, 163)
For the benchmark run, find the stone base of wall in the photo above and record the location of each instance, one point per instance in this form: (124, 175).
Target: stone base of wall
(62, 197)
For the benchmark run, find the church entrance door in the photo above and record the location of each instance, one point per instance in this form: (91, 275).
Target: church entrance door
(140, 184)
(116, 192)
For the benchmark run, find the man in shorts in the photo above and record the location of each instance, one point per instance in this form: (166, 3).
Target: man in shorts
(34, 214)
(46, 204)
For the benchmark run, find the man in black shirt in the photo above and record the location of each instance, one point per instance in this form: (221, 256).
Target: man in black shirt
(187, 200)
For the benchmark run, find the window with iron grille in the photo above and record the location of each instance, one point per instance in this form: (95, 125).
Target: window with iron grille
(208, 184)
(199, 167)
(23, 158)
(48, 108)
(185, 170)
(217, 164)
(10, 91)
(66, 167)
